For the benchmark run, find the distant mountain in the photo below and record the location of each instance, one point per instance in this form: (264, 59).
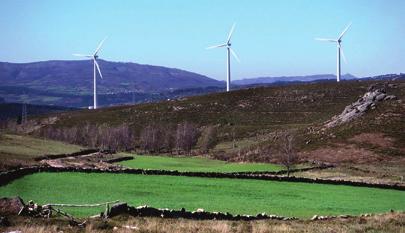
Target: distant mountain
(76, 77)
(308, 78)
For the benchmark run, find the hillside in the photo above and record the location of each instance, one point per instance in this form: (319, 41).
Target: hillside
(253, 112)
(14, 110)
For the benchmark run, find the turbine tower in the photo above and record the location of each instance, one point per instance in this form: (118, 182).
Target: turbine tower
(340, 52)
(228, 44)
(94, 57)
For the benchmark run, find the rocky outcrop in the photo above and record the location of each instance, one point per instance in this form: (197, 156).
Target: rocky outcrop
(369, 101)
(11, 206)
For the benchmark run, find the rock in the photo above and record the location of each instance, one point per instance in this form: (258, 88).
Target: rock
(4, 222)
(380, 97)
(11, 206)
(368, 101)
(117, 209)
(315, 217)
(390, 97)
(200, 210)
(371, 87)
(130, 227)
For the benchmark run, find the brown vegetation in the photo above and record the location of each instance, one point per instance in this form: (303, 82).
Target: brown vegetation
(391, 222)
(208, 139)
(103, 136)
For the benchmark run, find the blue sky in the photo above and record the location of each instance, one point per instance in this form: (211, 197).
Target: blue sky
(272, 37)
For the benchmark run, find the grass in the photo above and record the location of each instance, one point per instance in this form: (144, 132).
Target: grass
(195, 164)
(25, 147)
(236, 196)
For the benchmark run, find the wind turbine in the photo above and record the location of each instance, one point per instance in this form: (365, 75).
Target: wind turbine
(94, 57)
(228, 44)
(338, 42)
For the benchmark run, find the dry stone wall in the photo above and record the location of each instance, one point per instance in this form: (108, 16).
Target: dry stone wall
(9, 176)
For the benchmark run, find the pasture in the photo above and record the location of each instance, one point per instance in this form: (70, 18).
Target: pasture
(236, 196)
(26, 147)
(195, 164)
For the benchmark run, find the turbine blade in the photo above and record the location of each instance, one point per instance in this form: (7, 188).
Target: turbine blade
(81, 55)
(344, 31)
(98, 68)
(234, 54)
(323, 39)
(342, 53)
(99, 46)
(230, 33)
(216, 46)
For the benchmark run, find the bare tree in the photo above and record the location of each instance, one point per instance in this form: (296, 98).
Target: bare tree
(169, 139)
(114, 138)
(186, 137)
(208, 139)
(151, 138)
(287, 154)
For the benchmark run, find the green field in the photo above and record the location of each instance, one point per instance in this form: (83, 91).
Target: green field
(25, 147)
(195, 164)
(236, 196)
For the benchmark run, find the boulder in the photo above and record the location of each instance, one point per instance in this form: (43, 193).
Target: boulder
(380, 97)
(11, 206)
(364, 107)
(117, 209)
(390, 97)
(4, 222)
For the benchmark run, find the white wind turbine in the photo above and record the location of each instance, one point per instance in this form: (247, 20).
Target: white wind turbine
(230, 50)
(94, 57)
(338, 42)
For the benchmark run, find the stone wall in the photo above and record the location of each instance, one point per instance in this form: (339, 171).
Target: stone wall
(9, 176)
(75, 154)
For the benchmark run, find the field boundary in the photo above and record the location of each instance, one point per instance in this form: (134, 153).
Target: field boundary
(9, 176)
(281, 172)
(199, 214)
(119, 159)
(74, 154)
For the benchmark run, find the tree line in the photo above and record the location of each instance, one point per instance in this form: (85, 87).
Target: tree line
(153, 138)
